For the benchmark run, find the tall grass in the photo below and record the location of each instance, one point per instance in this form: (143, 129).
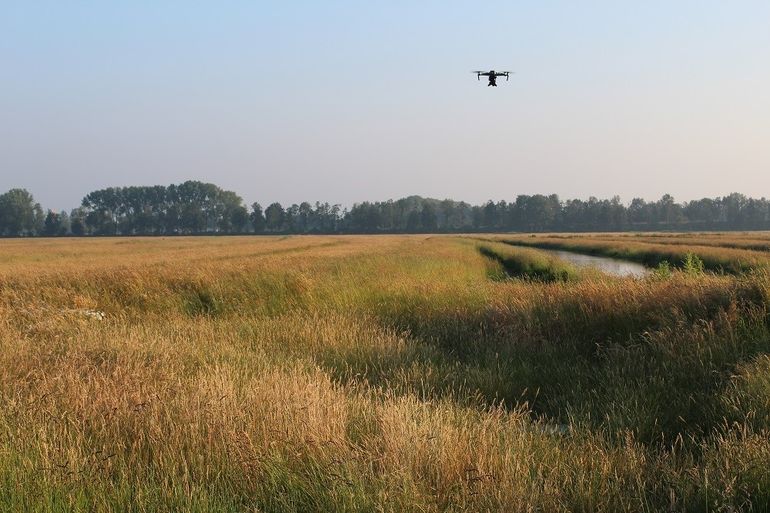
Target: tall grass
(755, 241)
(526, 263)
(715, 258)
(371, 374)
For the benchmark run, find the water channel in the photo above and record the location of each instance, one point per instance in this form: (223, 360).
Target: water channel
(607, 265)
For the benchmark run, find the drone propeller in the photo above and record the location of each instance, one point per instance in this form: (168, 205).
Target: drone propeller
(505, 74)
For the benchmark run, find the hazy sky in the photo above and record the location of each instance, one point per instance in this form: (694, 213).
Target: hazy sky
(345, 101)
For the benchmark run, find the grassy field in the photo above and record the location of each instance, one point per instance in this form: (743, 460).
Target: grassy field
(382, 373)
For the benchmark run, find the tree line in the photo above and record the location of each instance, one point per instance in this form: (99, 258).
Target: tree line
(196, 208)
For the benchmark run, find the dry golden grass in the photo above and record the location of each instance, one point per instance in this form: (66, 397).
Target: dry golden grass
(370, 374)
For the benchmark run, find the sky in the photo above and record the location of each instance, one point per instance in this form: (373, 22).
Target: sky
(349, 101)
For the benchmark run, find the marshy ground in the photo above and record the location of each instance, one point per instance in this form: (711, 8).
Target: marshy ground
(384, 373)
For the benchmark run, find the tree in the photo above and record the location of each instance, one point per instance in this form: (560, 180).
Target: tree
(428, 218)
(257, 218)
(734, 205)
(755, 213)
(327, 217)
(573, 214)
(638, 212)
(191, 207)
(668, 212)
(490, 216)
(305, 218)
(452, 215)
(78, 221)
(539, 212)
(101, 207)
(54, 224)
(704, 213)
(239, 219)
(195, 207)
(365, 217)
(19, 214)
(413, 222)
(291, 219)
(274, 217)
(65, 223)
(230, 213)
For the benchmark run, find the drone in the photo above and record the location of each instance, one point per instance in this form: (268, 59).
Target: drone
(492, 76)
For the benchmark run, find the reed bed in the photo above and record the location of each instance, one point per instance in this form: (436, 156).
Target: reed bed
(372, 374)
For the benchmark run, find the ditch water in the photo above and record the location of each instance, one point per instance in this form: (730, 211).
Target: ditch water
(607, 265)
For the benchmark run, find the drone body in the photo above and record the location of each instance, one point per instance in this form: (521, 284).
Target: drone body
(492, 74)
